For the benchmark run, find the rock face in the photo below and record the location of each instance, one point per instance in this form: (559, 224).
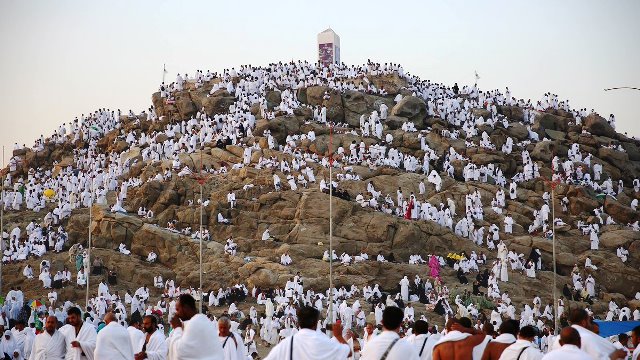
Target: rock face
(299, 220)
(357, 103)
(412, 108)
(597, 125)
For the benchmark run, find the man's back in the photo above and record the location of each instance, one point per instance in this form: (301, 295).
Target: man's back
(567, 352)
(521, 350)
(308, 344)
(424, 345)
(457, 350)
(195, 341)
(401, 349)
(494, 350)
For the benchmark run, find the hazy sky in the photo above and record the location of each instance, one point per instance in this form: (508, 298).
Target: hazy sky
(64, 58)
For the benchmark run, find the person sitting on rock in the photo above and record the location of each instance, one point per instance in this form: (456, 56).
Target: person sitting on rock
(123, 249)
(222, 219)
(285, 259)
(152, 256)
(28, 272)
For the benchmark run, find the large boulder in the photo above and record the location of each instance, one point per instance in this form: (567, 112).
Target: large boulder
(273, 98)
(554, 122)
(517, 131)
(186, 107)
(514, 113)
(620, 213)
(632, 150)
(280, 127)
(597, 125)
(412, 108)
(580, 202)
(356, 103)
(391, 83)
(218, 102)
(555, 135)
(613, 156)
(543, 150)
(613, 239)
(315, 95)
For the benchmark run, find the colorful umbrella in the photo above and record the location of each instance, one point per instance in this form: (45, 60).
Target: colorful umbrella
(35, 304)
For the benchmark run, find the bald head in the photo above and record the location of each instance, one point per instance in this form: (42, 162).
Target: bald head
(570, 336)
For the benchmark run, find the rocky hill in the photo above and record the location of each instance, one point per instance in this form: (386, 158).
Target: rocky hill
(299, 220)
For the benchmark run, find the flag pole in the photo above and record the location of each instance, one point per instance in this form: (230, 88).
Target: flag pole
(164, 72)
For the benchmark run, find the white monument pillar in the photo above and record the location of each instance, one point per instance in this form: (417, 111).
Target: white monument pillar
(328, 47)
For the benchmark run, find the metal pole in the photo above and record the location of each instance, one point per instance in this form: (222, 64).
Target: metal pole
(87, 269)
(553, 228)
(331, 226)
(164, 72)
(201, 209)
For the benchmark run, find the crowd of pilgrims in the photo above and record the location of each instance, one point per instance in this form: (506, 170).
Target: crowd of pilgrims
(94, 173)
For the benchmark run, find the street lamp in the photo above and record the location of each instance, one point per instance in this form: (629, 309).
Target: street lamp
(201, 178)
(553, 183)
(331, 223)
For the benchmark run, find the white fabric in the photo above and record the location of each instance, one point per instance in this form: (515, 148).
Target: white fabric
(113, 343)
(233, 350)
(513, 351)
(418, 341)
(86, 337)
(402, 350)
(157, 346)
(567, 352)
(135, 336)
(193, 340)
(49, 347)
(452, 336)
(309, 345)
(598, 348)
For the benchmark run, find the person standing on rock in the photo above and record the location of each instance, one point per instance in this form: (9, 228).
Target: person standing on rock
(404, 289)
(593, 237)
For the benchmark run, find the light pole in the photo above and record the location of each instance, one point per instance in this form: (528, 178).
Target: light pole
(87, 269)
(553, 229)
(553, 183)
(201, 212)
(201, 178)
(331, 224)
